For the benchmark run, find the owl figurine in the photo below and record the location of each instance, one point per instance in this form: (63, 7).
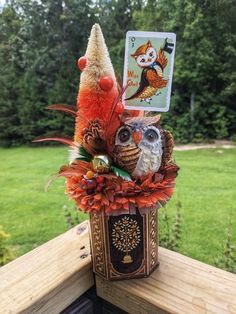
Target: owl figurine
(153, 64)
(142, 147)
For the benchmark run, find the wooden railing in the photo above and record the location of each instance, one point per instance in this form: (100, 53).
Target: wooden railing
(52, 276)
(49, 278)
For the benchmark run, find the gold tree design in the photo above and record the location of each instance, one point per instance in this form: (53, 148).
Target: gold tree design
(126, 236)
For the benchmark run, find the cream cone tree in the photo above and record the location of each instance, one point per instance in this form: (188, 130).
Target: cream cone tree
(98, 91)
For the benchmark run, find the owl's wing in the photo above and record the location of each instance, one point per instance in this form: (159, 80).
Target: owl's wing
(168, 147)
(155, 80)
(162, 58)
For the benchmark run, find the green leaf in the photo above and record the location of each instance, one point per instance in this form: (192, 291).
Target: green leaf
(83, 159)
(84, 155)
(121, 173)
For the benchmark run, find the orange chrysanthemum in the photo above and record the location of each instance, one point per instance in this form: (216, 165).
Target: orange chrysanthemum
(118, 195)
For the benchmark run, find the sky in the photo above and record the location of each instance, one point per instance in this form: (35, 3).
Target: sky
(2, 3)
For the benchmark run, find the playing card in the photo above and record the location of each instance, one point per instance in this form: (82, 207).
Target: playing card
(148, 70)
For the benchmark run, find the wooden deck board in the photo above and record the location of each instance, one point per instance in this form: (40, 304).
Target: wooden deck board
(52, 276)
(179, 285)
(49, 278)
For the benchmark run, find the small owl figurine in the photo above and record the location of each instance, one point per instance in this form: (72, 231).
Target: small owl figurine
(140, 146)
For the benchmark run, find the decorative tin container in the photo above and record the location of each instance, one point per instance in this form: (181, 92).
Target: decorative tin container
(124, 246)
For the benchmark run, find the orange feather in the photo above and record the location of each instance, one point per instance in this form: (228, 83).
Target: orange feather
(65, 108)
(64, 141)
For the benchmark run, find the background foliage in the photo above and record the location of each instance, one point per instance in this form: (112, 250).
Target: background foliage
(40, 42)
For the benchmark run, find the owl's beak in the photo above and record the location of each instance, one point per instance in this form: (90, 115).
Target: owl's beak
(137, 136)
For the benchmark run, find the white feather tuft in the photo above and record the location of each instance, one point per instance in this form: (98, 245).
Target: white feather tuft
(73, 154)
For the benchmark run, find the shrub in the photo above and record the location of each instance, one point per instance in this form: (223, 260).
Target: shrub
(170, 229)
(6, 254)
(227, 259)
(71, 215)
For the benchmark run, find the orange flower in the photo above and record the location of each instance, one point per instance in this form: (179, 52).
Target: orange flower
(118, 195)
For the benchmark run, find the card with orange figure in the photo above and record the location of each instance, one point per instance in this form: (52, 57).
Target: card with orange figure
(148, 70)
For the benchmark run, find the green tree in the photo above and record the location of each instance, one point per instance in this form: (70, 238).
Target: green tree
(115, 18)
(203, 84)
(11, 71)
(40, 42)
(51, 35)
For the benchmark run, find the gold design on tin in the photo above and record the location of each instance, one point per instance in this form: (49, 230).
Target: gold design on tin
(98, 246)
(126, 237)
(153, 238)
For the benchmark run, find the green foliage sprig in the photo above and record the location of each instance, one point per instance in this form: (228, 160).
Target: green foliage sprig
(71, 216)
(121, 173)
(227, 258)
(170, 230)
(84, 155)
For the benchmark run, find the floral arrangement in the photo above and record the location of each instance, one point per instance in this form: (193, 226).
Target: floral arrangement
(120, 160)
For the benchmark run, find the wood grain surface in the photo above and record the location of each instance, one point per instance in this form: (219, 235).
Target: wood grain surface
(49, 278)
(179, 285)
(52, 276)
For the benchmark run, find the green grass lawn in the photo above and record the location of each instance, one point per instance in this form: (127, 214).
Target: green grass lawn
(205, 186)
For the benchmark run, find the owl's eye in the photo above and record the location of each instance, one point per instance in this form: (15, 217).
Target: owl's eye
(124, 135)
(151, 136)
(142, 60)
(151, 54)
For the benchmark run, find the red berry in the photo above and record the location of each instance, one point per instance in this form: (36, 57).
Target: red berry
(91, 184)
(81, 63)
(100, 179)
(90, 191)
(106, 83)
(99, 187)
(119, 108)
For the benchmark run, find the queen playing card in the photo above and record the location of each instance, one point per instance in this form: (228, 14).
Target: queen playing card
(148, 70)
